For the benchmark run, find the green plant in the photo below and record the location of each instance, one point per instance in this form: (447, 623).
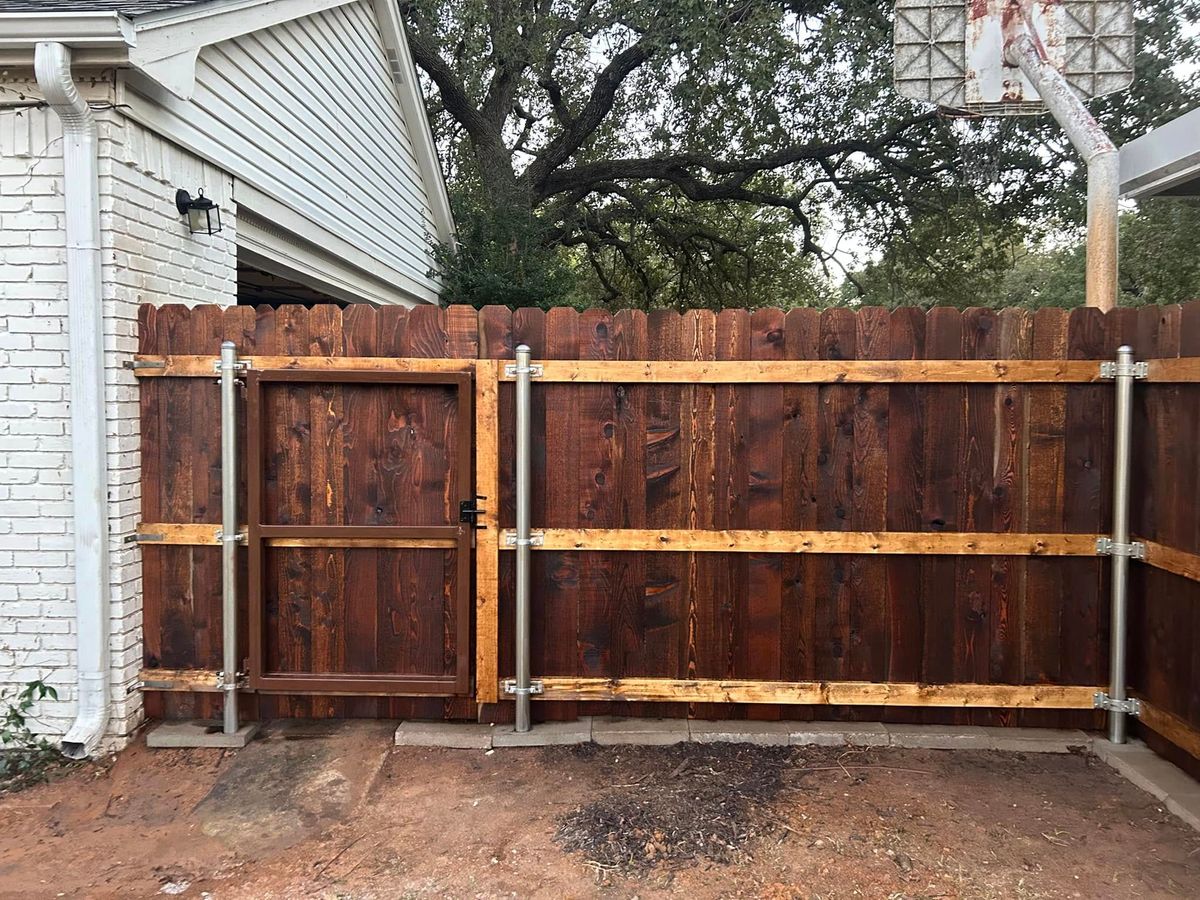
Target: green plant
(25, 758)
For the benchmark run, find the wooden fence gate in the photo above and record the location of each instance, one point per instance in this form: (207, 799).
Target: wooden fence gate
(359, 565)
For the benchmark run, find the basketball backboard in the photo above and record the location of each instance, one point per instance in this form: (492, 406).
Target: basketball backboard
(951, 52)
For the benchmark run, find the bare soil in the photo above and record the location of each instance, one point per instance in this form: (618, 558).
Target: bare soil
(693, 821)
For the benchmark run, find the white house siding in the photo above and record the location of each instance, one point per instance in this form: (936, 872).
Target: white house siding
(307, 113)
(148, 256)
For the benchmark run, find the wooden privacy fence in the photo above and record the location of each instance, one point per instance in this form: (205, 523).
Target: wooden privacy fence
(835, 508)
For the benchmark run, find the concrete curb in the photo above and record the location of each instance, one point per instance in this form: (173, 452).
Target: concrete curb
(1142, 767)
(612, 731)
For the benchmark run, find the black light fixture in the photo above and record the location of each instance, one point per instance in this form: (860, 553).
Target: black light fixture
(203, 216)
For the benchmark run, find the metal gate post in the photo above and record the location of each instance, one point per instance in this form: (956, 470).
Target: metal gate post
(229, 534)
(524, 491)
(1116, 702)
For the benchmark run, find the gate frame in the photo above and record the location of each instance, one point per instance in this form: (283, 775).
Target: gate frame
(260, 534)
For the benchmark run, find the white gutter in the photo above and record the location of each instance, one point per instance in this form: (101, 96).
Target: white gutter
(85, 324)
(79, 29)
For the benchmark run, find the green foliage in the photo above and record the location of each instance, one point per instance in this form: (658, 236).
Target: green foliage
(703, 152)
(502, 258)
(25, 757)
(981, 262)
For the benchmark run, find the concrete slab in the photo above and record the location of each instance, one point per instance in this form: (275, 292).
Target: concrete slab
(544, 734)
(1141, 766)
(178, 735)
(838, 734)
(1038, 740)
(451, 735)
(299, 779)
(740, 731)
(939, 737)
(649, 732)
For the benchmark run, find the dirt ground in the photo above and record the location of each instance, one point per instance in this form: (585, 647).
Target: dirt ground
(693, 821)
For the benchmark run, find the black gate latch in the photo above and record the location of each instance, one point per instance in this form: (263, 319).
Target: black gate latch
(468, 512)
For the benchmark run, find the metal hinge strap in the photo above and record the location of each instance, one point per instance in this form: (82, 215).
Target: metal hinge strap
(238, 538)
(535, 370)
(241, 365)
(1131, 706)
(510, 687)
(536, 539)
(136, 364)
(1113, 369)
(1109, 547)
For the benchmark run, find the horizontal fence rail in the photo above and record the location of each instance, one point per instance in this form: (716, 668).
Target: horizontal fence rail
(864, 542)
(862, 371)
(819, 693)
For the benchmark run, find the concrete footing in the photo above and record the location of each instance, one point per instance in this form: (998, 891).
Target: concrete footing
(178, 735)
(547, 734)
(659, 732)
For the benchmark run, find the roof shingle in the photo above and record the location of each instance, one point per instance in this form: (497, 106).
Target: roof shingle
(124, 7)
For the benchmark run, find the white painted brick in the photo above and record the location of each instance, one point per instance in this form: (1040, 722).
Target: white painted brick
(147, 256)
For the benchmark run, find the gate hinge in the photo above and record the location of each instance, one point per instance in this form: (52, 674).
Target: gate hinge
(510, 687)
(512, 370)
(237, 538)
(469, 512)
(240, 681)
(1113, 369)
(1109, 547)
(136, 364)
(536, 539)
(1131, 707)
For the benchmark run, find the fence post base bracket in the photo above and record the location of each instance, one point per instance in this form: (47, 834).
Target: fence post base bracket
(510, 687)
(1131, 707)
(535, 370)
(536, 539)
(1109, 547)
(1112, 369)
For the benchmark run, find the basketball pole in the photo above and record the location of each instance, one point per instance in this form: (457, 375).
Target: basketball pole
(1097, 150)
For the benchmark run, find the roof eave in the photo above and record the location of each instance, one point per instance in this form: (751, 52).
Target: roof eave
(1166, 160)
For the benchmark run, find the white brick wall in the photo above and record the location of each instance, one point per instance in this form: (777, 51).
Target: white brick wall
(148, 257)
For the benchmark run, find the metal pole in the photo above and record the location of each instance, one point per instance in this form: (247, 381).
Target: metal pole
(229, 533)
(1123, 439)
(524, 491)
(1097, 150)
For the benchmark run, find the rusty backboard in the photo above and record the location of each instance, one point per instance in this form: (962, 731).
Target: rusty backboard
(951, 52)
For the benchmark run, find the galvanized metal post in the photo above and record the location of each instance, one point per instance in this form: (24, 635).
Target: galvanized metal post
(1097, 150)
(1123, 441)
(524, 499)
(229, 533)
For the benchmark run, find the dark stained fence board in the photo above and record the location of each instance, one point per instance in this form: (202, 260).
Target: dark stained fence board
(1006, 457)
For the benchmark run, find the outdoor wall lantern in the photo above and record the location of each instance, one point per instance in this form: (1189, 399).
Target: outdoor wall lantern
(203, 216)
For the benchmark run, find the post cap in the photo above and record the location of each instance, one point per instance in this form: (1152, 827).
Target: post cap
(523, 348)
(1125, 348)
(228, 345)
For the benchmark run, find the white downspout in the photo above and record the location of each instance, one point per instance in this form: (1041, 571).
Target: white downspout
(85, 324)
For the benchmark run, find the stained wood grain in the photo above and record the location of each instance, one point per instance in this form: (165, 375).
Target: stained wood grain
(826, 371)
(821, 693)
